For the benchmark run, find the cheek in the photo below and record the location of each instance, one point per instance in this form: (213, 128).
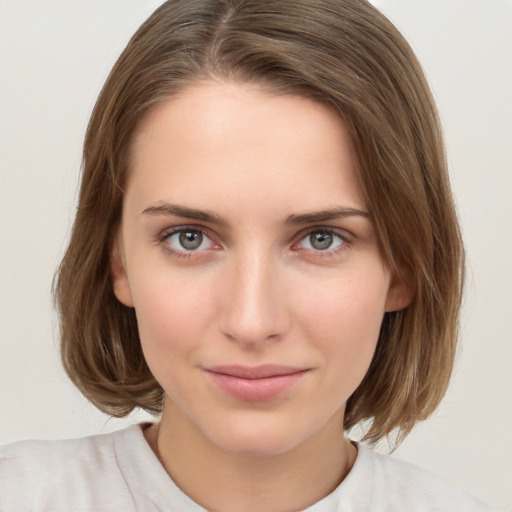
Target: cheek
(171, 313)
(347, 306)
(173, 318)
(344, 322)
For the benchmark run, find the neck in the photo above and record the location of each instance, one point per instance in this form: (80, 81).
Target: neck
(220, 480)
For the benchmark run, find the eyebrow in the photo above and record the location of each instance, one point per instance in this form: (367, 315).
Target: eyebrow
(186, 212)
(321, 216)
(169, 209)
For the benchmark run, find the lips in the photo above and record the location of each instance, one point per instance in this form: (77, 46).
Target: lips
(255, 384)
(257, 372)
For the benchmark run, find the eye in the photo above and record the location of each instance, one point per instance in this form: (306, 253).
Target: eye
(187, 240)
(321, 240)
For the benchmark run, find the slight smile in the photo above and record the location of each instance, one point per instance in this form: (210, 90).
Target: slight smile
(255, 384)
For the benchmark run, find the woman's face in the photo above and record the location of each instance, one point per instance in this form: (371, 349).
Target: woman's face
(248, 254)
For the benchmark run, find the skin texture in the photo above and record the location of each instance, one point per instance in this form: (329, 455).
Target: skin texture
(256, 291)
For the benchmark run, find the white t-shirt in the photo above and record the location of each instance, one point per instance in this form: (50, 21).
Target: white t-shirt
(119, 472)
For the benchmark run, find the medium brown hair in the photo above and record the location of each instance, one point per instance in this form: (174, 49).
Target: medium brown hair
(345, 54)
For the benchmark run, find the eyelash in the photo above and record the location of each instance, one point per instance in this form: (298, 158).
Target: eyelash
(344, 237)
(182, 229)
(328, 253)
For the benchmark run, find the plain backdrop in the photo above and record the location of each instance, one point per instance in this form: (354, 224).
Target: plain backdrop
(54, 57)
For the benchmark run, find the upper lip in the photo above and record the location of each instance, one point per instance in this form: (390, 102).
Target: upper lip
(255, 372)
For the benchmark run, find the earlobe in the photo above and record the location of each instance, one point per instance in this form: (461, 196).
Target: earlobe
(120, 281)
(400, 293)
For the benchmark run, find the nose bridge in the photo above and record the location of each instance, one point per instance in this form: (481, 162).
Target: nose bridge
(254, 308)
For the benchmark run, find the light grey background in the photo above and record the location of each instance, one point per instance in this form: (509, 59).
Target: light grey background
(54, 57)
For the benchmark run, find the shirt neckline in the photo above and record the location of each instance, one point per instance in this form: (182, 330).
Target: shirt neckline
(151, 486)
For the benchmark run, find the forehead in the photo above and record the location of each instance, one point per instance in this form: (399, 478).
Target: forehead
(225, 139)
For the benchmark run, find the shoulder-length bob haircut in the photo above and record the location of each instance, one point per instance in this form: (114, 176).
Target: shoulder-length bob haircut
(345, 54)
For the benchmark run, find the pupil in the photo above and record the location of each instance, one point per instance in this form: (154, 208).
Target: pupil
(191, 239)
(321, 240)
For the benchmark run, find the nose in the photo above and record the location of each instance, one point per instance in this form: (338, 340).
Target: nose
(254, 302)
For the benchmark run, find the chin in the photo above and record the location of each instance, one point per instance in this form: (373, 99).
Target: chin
(255, 447)
(256, 438)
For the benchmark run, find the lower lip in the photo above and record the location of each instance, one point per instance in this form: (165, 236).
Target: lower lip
(255, 390)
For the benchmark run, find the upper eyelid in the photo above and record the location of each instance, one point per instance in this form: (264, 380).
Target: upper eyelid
(303, 233)
(344, 238)
(161, 240)
(165, 233)
(342, 233)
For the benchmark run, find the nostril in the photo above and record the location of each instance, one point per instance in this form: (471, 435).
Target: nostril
(252, 335)
(255, 327)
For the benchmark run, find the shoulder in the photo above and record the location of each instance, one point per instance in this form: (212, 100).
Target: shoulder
(397, 485)
(53, 473)
(55, 457)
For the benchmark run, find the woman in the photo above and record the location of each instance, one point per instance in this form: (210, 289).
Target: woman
(266, 253)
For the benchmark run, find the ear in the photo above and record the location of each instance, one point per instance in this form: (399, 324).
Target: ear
(120, 281)
(401, 291)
